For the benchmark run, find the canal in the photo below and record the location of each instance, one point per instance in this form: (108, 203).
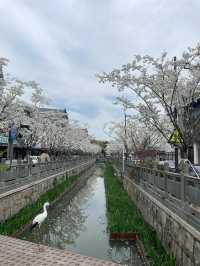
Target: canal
(80, 225)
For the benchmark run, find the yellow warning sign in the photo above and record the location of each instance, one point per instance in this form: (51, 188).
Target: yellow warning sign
(175, 137)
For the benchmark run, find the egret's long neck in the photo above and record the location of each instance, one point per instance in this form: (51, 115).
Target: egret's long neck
(45, 209)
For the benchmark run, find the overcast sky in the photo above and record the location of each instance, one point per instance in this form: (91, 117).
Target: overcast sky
(62, 44)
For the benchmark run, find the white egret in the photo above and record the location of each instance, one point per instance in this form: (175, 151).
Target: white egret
(39, 219)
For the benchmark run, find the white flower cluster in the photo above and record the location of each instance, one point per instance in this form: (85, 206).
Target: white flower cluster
(164, 92)
(39, 127)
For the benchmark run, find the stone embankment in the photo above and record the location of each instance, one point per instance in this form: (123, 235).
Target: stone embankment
(178, 237)
(13, 201)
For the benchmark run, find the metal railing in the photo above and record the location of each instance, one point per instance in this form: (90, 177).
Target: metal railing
(178, 186)
(25, 173)
(179, 192)
(184, 188)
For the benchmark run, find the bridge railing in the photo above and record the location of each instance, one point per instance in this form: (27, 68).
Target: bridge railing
(24, 173)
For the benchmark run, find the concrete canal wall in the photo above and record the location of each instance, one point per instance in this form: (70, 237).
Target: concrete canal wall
(13, 201)
(178, 237)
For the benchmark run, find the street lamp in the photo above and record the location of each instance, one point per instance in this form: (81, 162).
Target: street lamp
(125, 132)
(123, 157)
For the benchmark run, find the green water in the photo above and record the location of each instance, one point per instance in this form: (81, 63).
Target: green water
(80, 225)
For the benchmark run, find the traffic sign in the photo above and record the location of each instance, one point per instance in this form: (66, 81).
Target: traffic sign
(13, 133)
(175, 138)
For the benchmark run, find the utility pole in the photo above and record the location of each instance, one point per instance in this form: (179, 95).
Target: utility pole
(123, 166)
(125, 132)
(124, 155)
(176, 148)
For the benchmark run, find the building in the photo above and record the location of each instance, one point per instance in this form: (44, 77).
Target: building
(190, 121)
(20, 149)
(54, 114)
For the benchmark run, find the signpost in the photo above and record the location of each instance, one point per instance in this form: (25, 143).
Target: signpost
(12, 135)
(175, 139)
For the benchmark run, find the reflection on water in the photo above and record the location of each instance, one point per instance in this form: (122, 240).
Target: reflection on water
(80, 225)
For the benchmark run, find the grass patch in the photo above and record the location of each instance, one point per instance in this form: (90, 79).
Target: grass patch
(123, 216)
(15, 223)
(4, 167)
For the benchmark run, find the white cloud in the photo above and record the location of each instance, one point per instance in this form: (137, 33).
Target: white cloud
(63, 44)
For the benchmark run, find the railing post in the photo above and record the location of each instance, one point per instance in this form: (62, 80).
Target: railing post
(139, 175)
(165, 185)
(154, 175)
(54, 166)
(39, 168)
(29, 169)
(183, 183)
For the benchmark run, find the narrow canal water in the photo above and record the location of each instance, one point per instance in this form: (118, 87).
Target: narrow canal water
(80, 225)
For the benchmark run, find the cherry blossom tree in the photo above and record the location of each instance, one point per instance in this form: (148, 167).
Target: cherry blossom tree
(114, 148)
(30, 123)
(50, 129)
(11, 89)
(165, 89)
(77, 139)
(87, 147)
(136, 137)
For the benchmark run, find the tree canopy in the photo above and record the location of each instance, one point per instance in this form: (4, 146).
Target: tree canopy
(165, 88)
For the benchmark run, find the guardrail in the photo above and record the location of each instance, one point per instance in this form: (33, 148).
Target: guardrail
(175, 186)
(182, 187)
(25, 173)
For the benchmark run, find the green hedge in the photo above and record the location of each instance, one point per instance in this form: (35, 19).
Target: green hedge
(15, 223)
(123, 216)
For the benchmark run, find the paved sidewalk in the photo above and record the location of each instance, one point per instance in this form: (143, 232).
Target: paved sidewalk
(16, 252)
